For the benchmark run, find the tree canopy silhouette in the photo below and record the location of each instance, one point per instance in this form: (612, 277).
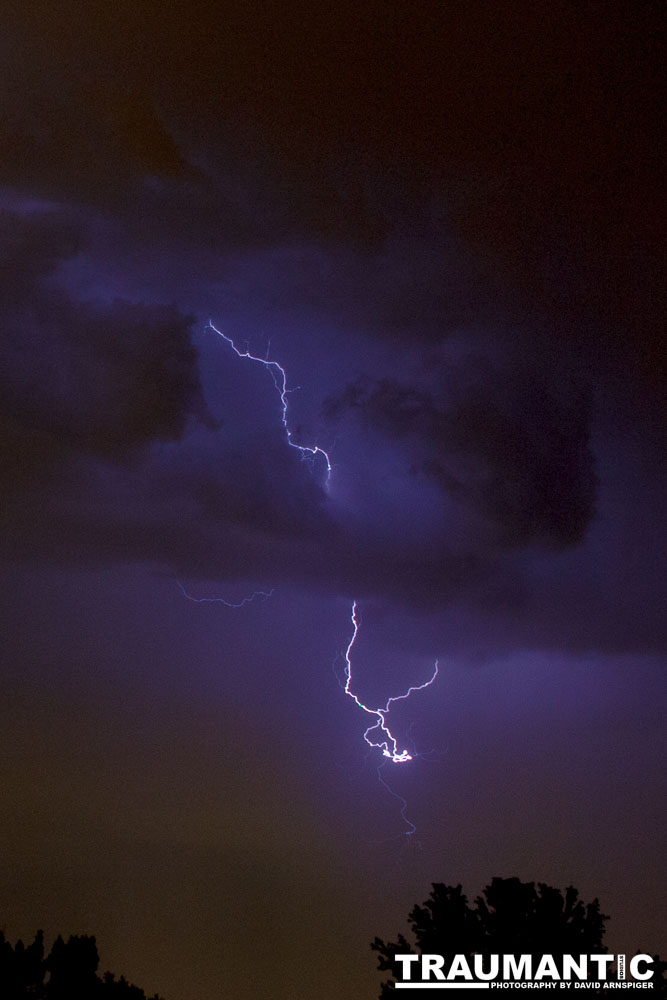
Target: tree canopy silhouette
(68, 972)
(509, 918)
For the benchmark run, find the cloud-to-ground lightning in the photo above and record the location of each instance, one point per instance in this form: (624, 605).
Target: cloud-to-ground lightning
(383, 739)
(378, 735)
(279, 376)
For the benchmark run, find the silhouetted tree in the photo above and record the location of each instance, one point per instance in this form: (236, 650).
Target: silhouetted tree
(69, 972)
(21, 968)
(509, 918)
(72, 969)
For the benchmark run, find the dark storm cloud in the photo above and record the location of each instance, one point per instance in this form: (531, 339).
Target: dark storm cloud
(515, 446)
(412, 178)
(513, 114)
(109, 450)
(493, 166)
(98, 378)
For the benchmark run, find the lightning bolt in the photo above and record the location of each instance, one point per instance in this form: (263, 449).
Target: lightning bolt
(410, 827)
(383, 738)
(378, 736)
(220, 600)
(279, 376)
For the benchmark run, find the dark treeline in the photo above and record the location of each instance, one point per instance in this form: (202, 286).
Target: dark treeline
(68, 972)
(509, 918)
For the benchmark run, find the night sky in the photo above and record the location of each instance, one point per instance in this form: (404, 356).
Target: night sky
(443, 221)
